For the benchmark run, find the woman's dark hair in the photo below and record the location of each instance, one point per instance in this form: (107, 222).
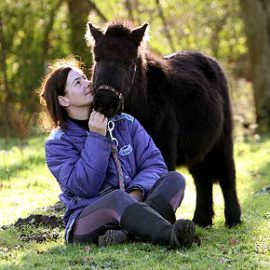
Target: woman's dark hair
(54, 85)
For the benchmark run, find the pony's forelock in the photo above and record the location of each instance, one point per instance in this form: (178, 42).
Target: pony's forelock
(119, 28)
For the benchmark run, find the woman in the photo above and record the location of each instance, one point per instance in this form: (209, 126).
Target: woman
(114, 187)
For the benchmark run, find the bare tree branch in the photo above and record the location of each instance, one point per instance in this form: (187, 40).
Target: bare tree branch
(217, 28)
(45, 47)
(96, 9)
(165, 25)
(129, 10)
(49, 27)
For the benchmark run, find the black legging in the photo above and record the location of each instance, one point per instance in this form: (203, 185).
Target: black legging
(106, 212)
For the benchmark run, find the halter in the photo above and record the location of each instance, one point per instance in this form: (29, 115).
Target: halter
(134, 73)
(113, 90)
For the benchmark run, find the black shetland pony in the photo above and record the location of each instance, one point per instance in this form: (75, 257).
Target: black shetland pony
(182, 100)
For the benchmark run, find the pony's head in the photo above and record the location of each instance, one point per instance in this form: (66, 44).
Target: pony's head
(115, 53)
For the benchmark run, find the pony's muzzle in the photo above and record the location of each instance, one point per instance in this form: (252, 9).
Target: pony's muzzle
(107, 102)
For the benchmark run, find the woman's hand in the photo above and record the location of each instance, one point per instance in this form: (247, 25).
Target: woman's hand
(137, 194)
(98, 123)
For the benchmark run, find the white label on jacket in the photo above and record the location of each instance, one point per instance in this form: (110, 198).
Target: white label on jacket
(125, 150)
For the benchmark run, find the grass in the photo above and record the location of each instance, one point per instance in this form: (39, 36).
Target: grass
(26, 186)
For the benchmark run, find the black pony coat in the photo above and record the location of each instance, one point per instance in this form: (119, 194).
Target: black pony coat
(183, 102)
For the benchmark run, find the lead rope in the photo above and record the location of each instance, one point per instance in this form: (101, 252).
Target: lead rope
(110, 128)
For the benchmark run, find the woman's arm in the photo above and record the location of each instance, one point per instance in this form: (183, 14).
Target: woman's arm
(80, 173)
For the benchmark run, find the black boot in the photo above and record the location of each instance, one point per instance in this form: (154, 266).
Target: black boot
(113, 237)
(184, 234)
(164, 208)
(144, 222)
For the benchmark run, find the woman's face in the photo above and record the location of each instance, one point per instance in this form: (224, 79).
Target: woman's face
(78, 90)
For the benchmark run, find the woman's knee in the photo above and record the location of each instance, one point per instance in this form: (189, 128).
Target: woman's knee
(176, 178)
(119, 196)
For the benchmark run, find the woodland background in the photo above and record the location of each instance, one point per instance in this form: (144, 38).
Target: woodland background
(34, 33)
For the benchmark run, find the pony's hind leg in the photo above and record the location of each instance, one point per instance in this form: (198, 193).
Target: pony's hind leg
(204, 212)
(218, 165)
(227, 183)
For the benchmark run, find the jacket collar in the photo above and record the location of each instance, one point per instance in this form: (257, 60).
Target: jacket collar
(73, 129)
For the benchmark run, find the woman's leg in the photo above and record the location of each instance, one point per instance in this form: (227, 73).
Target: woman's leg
(94, 219)
(139, 219)
(167, 194)
(147, 224)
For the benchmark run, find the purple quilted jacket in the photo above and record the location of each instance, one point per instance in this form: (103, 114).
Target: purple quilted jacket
(83, 165)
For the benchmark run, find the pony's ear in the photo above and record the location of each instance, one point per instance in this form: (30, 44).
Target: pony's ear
(96, 33)
(138, 34)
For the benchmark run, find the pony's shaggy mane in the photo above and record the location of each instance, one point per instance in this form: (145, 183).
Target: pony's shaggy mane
(123, 28)
(117, 28)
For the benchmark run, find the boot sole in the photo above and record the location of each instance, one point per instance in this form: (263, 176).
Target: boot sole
(184, 233)
(112, 237)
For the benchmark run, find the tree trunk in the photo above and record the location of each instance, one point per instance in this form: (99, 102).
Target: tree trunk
(256, 17)
(79, 11)
(32, 105)
(6, 94)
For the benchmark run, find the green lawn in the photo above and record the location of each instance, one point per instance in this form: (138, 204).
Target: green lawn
(26, 186)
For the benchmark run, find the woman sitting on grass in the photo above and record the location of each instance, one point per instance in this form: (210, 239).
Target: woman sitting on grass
(103, 205)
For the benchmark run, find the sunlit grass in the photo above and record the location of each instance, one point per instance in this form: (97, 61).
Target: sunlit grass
(25, 182)
(26, 185)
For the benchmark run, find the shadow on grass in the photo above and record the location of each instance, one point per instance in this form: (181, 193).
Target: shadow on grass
(128, 256)
(9, 144)
(17, 157)
(243, 247)
(7, 172)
